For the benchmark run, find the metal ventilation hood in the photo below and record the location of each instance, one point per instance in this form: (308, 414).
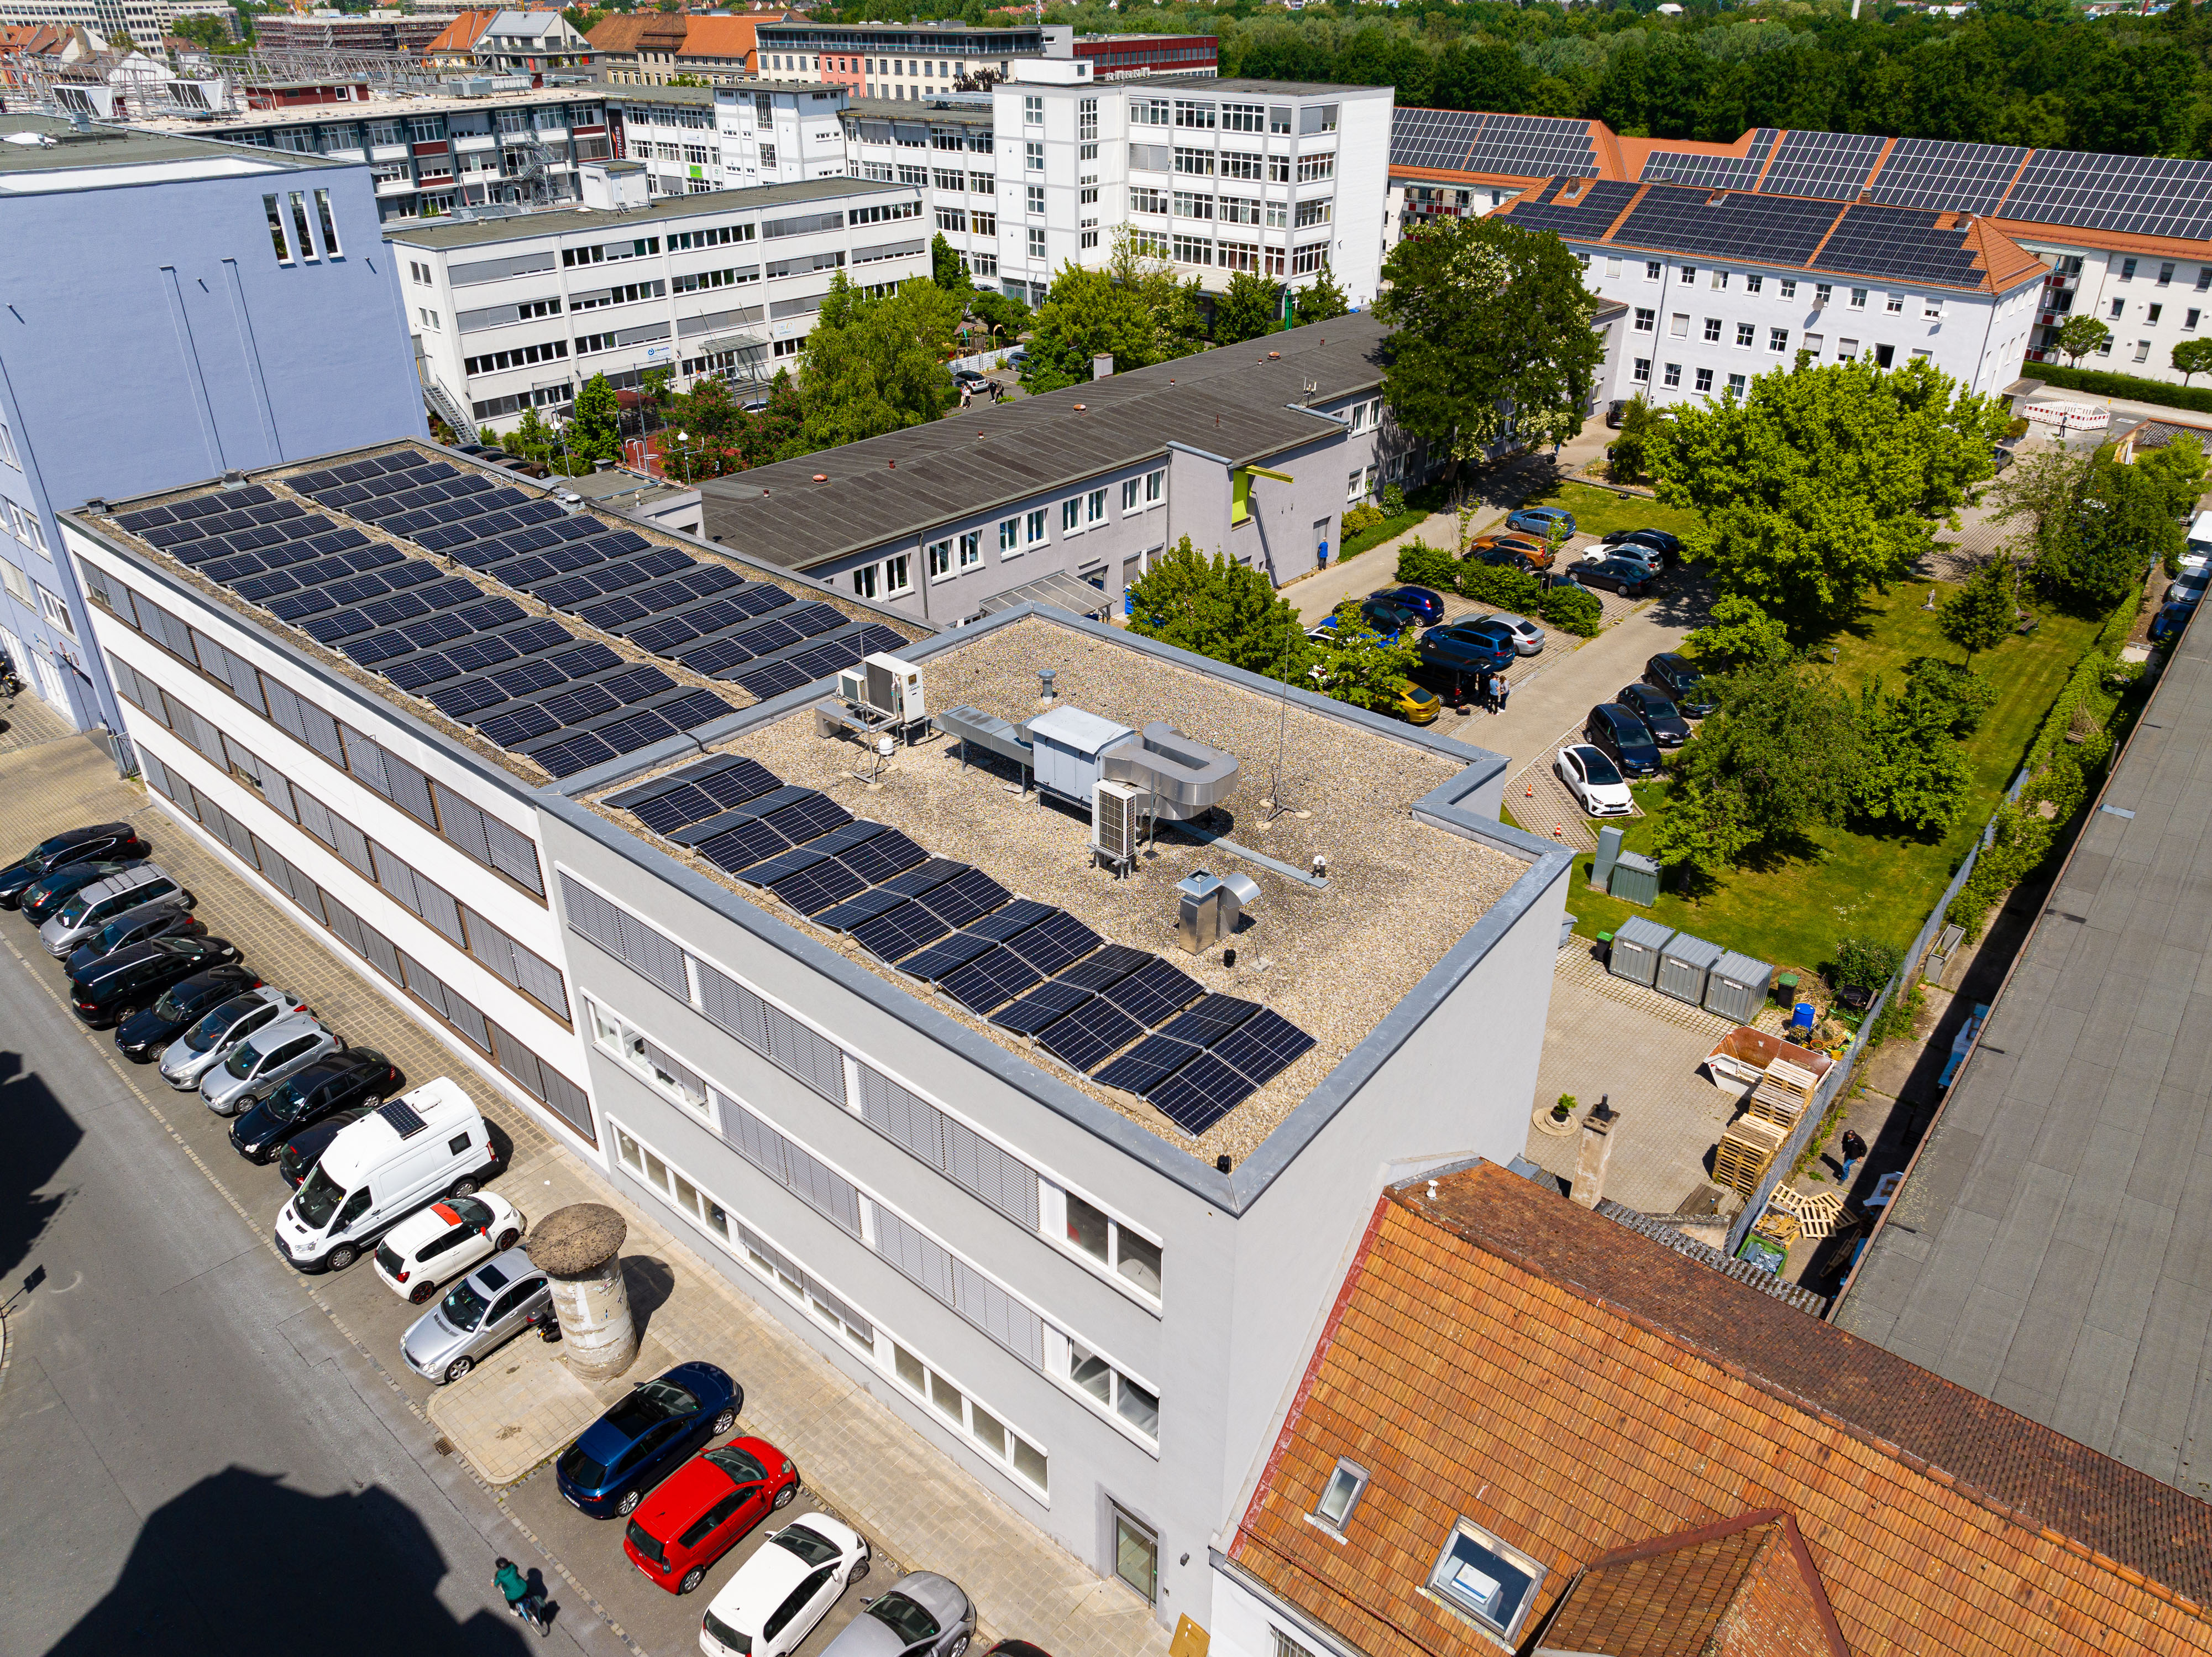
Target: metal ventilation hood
(1185, 779)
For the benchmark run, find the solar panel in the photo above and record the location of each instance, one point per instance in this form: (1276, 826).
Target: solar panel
(339, 624)
(1263, 1046)
(433, 669)
(926, 877)
(385, 612)
(693, 707)
(1965, 177)
(258, 590)
(435, 631)
(1054, 942)
(147, 519)
(990, 980)
(472, 655)
(1199, 1095)
(739, 848)
(945, 956)
(1154, 993)
(294, 605)
(806, 818)
(402, 1116)
(763, 682)
(523, 724)
(379, 647)
(1045, 1004)
(964, 897)
(1211, 1018)
(1532, 147)
(1087, 1037)
(1740, 225)
(882, 855)
(1437, 138)
(1147, 1064)
(1832, 166)
(1110, 965)
(490, 613)
(813, 890)
(1899, 243)
(1701, 172)
(775, 799)
(864, 906)
(807, 855)
(639, 730)
(468, 697)
(899, 932)
(639, 683)
(579, 752)
(585, 702)
(1593, 207)
(1001, 924)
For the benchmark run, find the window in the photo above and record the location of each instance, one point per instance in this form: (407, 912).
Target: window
(1613, 267)
(1789, 288)
(277, 230)
(1284, 1646)
(1155, 487)
(1311, 213)
(1812, 343)
(1033, 110)
(1645, 319)
(898, 574)
(1116, 1393)
(2118, 307)
(1744, 335)
(1673, 375)
(1932, 305)
(1492, 1582)
(1642, 370)
(2189, 319)
(1189, 205)
(1136, 1259)
(2165, 274)
(1895, 304)
(865, 581)
(8, 448)
(1651, 269)
(954, 1402)
(1033, 153)
(1679, 324)
(2142, 349)
(1859, 299)
(1010, 531)
(55, 613)
(1689, 273)
(1036, 242)
(624, 1041)
(1777, 339)
(1132, 494)
(1712, 330)
(1720, 280)
(1735, 385)
(1314, 167)
(2127, 270)
(1033, 528)
(1071, 515)
(1847, 351)
(2105, 350)
(1340, 1495)
(1094, 508)
(1193, 250)
(1753, 283)
(1197, 162)
(2152, 315)
(330, 227)
(1355, 487)
(1143, 200)
(1705, 382)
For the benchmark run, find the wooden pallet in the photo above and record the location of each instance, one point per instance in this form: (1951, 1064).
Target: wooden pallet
(1784, 1093)
(1817, 1214)
(1746, 1151)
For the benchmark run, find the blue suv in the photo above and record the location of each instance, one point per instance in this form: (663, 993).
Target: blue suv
(646, 1437)
(1538, 521)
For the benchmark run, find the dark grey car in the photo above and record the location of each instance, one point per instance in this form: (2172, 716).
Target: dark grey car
(922, 1615)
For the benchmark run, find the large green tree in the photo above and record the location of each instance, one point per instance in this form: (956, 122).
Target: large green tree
(1249, 307)
(2080, 335)
(1909, 772)
(1492, 337)
(1321, 299)
(1821, 485)
(1739, 633)
(873, 365)
(1087, 313)
(594, 429)
(2122, 519)
(947, 269)
(1353, 664)
(1219, 608)
(1979, 616)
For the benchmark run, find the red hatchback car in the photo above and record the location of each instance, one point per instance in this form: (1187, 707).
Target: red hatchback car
(705, 1508)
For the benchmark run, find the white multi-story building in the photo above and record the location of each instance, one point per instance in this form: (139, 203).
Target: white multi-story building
(1719, 287)
(1275, 178)
(144, 21)
(944, 149)
(781, 134)
(511, 313)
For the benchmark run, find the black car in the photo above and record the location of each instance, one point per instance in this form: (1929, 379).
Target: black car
(1465, 649)
(352, 1075)
(1506, 558)
(110, 842)
(1659, 716)
(1387, 621)
(146, 1033)
(297, 1159)
(129, 977)
(1668, 546)
(49, 892)
(1421, 602)
(1683, 684)
(162, 918)
(1621, 576)
(1620, 735)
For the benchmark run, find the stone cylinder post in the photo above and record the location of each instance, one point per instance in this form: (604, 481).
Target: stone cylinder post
(580, 1248)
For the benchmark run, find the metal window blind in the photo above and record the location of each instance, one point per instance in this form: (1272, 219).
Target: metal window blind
(624, 935)
(364, 758)
(813, 1181)
(951, 1147)
(157, 775)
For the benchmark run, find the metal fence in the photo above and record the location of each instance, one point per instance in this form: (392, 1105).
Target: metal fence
(1839, 1073)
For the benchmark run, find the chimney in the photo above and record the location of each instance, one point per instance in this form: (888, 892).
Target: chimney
(1596, 1151)
(1101, 366)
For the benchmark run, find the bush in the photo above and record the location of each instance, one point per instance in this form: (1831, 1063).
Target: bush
(1967, 695)
(2017, 430)
(1571, 610)
(1394, 501)
(1423, 565)
(1864, 964)
(2106, 384)
(1509, 590)
(1361, 517)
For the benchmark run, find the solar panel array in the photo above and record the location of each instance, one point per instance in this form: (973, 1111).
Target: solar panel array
(1121, 1015)
(1832, 166)
(1432, 138)
(1892, 241)
(2133, 195)
(1711, 172)
(1963, 178)
(1586, 218)
(1533, 147)
(1771, 229)
(529, 685)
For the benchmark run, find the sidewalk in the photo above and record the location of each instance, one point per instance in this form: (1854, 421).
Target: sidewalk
(25, 721)
(858, 1456)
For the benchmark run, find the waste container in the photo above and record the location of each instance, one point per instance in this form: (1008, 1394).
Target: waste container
(1737, 987)
(1636, 946)
(1683, 964)
(1635, 879)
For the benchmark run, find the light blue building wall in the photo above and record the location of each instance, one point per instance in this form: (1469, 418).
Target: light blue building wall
(152, 332)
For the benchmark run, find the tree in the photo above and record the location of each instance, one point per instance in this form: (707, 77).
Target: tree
(1909, 769)
(1251, 306)
(1824, 483)
(531, 438)
(1219, 608)
(1628, 456)
(204, 32)
(946, 268)
(1965, 696)
(2178, 467)
(1354, 665)
(1178, 325)
(873, 365)
(1738, 633)
(1086, 313)
(1979, 616)
(2080, 335)
(595, 423)
(1493, 336)
(2192, 358)
(2093, 556)
(1321, 299)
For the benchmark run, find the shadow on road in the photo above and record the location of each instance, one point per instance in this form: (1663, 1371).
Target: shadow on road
(238, 1562)
(36, 1140)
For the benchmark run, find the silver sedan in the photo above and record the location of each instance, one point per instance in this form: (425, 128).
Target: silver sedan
(263, 1059)
(922, 1615)
(208, 1042)
(493, 1304)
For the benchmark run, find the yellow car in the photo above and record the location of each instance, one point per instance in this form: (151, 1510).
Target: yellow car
(1415, 706)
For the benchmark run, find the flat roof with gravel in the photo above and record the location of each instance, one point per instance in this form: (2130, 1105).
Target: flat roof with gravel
(1311, 779)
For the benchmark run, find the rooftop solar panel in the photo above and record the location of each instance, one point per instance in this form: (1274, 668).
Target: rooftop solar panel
(1900, 244)
(338, 625)
(1154, 993)
(990, 980)
(574, 707)
(1054, 942)
(864, 906)
(924, 877)
(773, 680)
(1210, 1019)
(1045, 1004)
(423, 671)
(513, 728)
(1087, 1037)
(293, 607)
(899, 932)
(964, 897)
(1965, 177)
(577, 753)
(436, 630)
(1147, 1064)
(882, 856)
(1199, 1095)
(813, 889)
(259, 590)
(1263, 1046)
(1110, 965)
(946, 956)
(1832, 166)
(1004, 921)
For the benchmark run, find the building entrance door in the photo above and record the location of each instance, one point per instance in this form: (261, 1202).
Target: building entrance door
(1136, 1555)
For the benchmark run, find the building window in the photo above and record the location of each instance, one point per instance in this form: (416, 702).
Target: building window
(1859, 299)
(1136, 1555)
(1821, 294)
(1651, 269)
(1010, 531)
(1340, 1495)
(1894, 303)
(277, 230)
(1033, 528)
(1133, 494)
(1645, 319)
(8, 448)
(2119, 306)
(1674, 376)
(1116, 1393)
(1094, 508)
(898, 574)
(1071, 515)
(1482, 1576)
(1033, 110)
(623, 1040)
(1679, 324)
(55, 613)
(2127, 270)
(1735, 385)
(1705, 382)
(1689, 273)
(1033, 153)
(1156, 485)
(330, 223)
(2150, 316)
(1753, 283)
(1712, 330)
(2165, 274)
(1720, 280)
(1744, 335)
(1812, 343)
(1642, 371)
(2142, 349)
(1847, 351)
(1777, 339)
(953, 1403)
(1613, 267)
(1135, 1259)
(865, 580)
(1036, 242)
(1789, 288)
(1284, 1646)
(971, 549)
(2189, 319)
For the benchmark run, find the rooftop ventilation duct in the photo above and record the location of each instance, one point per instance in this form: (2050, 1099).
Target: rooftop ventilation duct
(1186, 779)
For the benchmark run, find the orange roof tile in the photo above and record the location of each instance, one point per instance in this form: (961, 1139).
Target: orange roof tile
(638, 31)
(721, 36)
(1588, 1395)
(463, 33)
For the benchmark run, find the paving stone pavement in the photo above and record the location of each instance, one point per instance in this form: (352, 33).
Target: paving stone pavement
(1539, 802)
(518, 1407)
(25, 721)
(928, 1513)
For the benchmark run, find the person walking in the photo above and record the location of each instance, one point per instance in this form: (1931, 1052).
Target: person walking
(1482, 690)
(1505, 693)
(520, 1600)
(1855, 1150)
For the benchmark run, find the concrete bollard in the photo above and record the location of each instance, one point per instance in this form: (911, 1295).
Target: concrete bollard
(580, 1248)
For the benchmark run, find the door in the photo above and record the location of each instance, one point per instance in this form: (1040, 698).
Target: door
(797, 1614)
(1321, 540)
(1136, 1554)
(356, 1206)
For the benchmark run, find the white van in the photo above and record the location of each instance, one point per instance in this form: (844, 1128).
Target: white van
(422, 1146)
(2198, 552)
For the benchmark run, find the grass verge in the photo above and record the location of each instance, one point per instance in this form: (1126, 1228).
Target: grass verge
(1600, 511)
(1376, 534)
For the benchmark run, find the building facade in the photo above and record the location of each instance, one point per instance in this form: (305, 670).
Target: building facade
(946, 150)
(903, 62)
(515, 313)
(1134, 57)
(651, 48)
(205, 281)
(409, 33)
(144, 21)
(532, 43)
(787, 133)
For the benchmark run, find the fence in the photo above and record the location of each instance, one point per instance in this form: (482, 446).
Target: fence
(984, 362)
(1839, 1073)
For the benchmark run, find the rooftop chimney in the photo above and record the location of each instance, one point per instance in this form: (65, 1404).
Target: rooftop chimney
(1101, 366)
(1596, 1151)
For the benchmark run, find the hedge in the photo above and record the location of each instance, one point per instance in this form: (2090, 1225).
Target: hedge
(2104, 383)
(1569, 609)
(1376, 534)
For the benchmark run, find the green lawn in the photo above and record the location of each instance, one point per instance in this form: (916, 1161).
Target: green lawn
(1792, 911)
(1600, 511)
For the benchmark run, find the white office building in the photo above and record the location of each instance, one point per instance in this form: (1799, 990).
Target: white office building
(946, 150)
(781, 134)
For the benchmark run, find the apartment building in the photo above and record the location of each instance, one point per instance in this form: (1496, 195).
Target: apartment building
(1090, 1279)
(946, 150)
(407, 33)
(514, 313)
(145, 21)
(650, 48)
(903, 62)
(670, 130)
(1719, 287)
(784, 133)
(1275, 178)
(1253, 451)
(532, 43)
(187, 332)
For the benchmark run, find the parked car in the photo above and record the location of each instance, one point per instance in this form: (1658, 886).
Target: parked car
(1018, 358)
(484, 1311)
(118, 985)
(1681, 681)
(264, 1058)
(1591, 777)
(1387, 621)
(780, 1595)
(1618, 731)
(1418, 599)
(2168, 622)
(483, 450)
(1658, 540)
(1528, 637)
(2188, 589)
(1539, 520)
(49, 893)
(1504, 557)
(1659, 716)
(307, 1095)
(163, 918)
(1465, 649)
(1645, 558)
(1614, 412)
(1538, 553)
(429, 1142)
(99, 903)
(643, 1439)
(305, 1148)
(970, 380)
(1630, 580)
(208, 1042)
(116, 843)
(143, 1035)
(925, 1615)
(443, 1241)
(1416, 705)
(706, 1507)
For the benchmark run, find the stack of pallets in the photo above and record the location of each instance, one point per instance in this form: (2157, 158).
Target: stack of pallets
(1784, 1093)
(1746, 1150)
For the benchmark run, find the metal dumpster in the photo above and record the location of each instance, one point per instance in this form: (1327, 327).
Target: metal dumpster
(1635, 879)
(1683, 964)
(1636, 946)
(1737, 986)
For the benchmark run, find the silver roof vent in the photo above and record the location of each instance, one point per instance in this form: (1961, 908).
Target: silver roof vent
(1186, 779)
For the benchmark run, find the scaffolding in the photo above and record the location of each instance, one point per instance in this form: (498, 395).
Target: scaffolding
(140, 85)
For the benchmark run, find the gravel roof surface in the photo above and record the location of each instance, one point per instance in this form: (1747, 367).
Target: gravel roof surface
(1401, 893)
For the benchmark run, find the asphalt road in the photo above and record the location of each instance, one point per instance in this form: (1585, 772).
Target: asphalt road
(196, 1459)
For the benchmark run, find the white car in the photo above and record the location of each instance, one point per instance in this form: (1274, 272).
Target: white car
(1594, 780)
(779, 1595)
(1528, 637)
(443, 1241)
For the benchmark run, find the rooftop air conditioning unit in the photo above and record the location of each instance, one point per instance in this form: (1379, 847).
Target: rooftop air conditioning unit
(1116, 822)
